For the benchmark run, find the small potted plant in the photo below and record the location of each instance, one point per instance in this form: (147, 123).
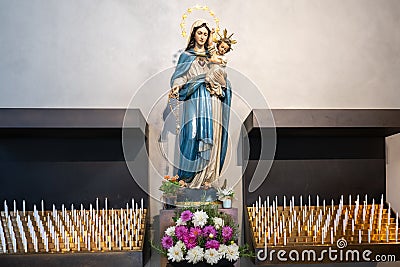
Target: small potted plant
(170, 188)
(225, 195)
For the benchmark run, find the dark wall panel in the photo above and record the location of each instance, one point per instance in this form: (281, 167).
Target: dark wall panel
(71, 165)
(327, 178)
(68, 182)
(329, 152)
(315, 143)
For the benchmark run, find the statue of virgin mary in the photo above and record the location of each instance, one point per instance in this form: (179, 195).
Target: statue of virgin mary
(203, 136)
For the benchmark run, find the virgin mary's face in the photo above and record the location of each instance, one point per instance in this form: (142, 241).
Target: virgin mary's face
(200, 36)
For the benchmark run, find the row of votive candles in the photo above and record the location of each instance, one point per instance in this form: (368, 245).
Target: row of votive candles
(322, 224)
(65, 230)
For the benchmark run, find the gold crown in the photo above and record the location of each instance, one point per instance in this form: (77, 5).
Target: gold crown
(225, 38)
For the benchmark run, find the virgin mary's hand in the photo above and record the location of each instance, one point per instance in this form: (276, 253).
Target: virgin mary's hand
(219, 77)
(174, 92)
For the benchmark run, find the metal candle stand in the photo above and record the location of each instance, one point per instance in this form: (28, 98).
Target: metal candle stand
(72, 231)
(322, 224)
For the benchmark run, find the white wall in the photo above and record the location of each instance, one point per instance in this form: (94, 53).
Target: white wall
(301, 53)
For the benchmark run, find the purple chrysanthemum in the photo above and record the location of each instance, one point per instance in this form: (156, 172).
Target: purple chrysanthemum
(190, 241)
(212, 244)
(196, 231)
(227, 233)
(186, 216)
(209, 230)
(167, 242)
(181, 231)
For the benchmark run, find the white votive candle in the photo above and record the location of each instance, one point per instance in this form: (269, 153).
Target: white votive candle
(397, 226)
(301, 202)
(369, 236)
(284, 202)
(298, 227)
(284, 237)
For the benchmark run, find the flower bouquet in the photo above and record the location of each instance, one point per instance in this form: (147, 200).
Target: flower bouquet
(225, 195)
(202, 237)
(170, 188)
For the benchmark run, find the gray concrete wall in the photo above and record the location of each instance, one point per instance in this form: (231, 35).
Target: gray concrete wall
(303, 53)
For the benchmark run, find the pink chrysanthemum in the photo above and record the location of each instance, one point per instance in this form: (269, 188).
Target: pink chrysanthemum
(212, 244)
(167, 242)
(190, 241)
(227, 233)
(196, 231)
(209, 230)
(186, 216)
(181, 232)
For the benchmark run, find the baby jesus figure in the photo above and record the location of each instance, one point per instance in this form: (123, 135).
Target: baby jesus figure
(218, 63)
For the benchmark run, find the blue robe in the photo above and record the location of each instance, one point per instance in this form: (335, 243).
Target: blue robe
(196, 136)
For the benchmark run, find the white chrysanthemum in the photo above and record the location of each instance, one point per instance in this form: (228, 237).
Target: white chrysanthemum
(180, 245)
(232, 252)
(199, 218)
(212, 256)
(170, 231)
(222, 250)
(179, 222)
(218, 223)
(175, 253)
(195, 255)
